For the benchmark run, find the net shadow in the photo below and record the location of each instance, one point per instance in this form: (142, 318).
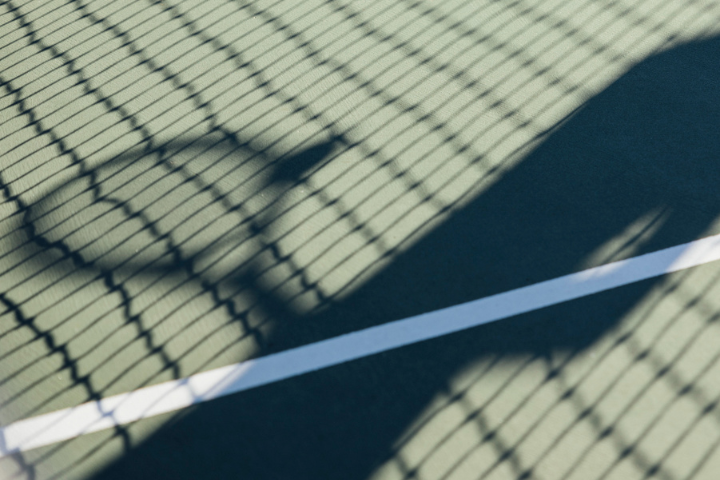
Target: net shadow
(184, 221)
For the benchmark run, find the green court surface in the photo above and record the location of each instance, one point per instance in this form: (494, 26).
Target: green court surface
(191, 188)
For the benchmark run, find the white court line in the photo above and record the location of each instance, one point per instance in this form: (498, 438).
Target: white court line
(169, 396)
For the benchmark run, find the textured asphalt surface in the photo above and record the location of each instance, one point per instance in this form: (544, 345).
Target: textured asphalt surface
(190, 184)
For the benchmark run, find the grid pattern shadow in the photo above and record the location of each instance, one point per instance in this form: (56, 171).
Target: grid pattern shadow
(184, 179)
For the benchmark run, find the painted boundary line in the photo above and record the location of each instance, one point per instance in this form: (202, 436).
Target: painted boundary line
(174, 395)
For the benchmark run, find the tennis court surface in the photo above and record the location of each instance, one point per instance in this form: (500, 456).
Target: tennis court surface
(369, 240)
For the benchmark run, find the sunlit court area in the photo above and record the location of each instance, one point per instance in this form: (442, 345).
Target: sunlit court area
(360, 240)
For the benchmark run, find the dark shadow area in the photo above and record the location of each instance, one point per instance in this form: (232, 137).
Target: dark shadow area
(647, 147)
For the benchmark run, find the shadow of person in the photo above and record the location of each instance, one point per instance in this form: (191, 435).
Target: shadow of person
(634, 171)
